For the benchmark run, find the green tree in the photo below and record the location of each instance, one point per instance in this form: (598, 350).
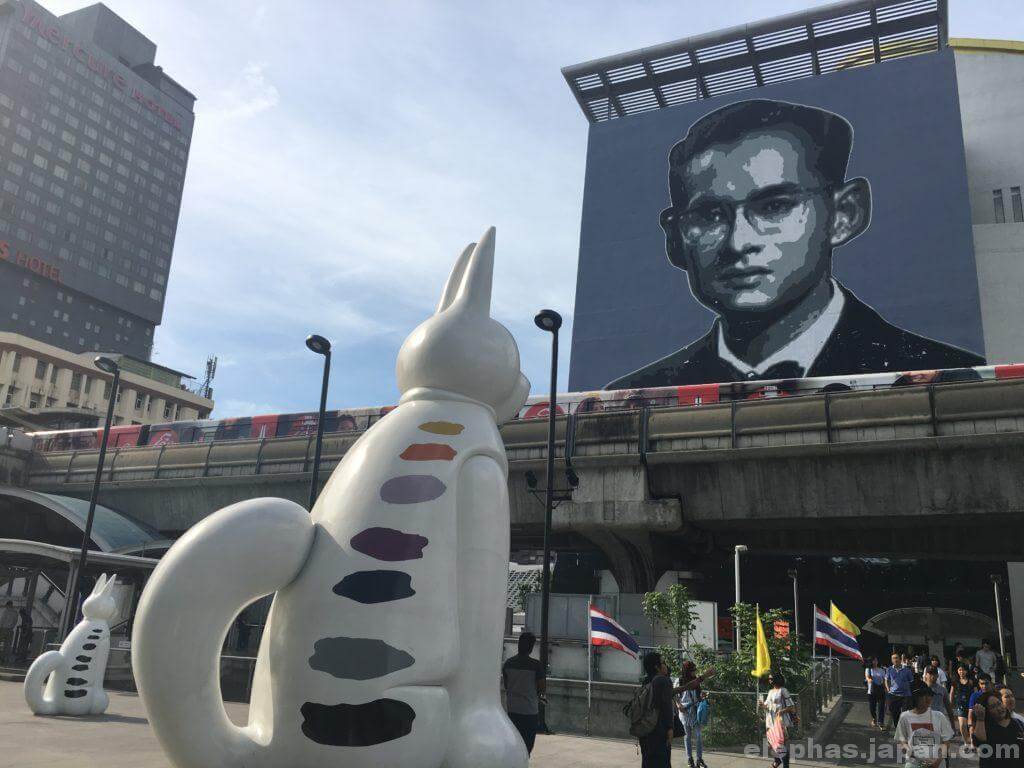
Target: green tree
(674, 610)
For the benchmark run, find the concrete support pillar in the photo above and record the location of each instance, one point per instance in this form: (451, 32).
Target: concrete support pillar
(1015, 583)
(612, 508)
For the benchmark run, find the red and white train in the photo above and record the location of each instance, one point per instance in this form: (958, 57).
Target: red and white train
(357, 419)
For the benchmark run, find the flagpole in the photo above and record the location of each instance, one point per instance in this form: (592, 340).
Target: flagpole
(757, 680)
(814, 633)
(590, 663)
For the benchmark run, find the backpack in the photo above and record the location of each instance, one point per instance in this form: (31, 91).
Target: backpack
(703, 712)
(643, 717)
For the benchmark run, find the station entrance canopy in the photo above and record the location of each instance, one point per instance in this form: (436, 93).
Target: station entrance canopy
(48, 518)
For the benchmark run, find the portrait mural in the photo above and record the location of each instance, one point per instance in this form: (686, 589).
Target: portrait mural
(748, 277)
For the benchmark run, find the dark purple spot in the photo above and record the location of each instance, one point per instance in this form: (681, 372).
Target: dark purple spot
(80, 667)
(357, 725)
(77, 681)
(93, 637)
(375, 586)
(75, 694)
(88, 646)
(83, 658)
(389, 544)
(97, 630)
(357, 658)
(411, 489)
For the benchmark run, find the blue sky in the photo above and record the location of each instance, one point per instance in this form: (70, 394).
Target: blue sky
(345, 152)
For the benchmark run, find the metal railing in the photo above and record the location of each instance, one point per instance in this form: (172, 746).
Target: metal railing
(951, 411)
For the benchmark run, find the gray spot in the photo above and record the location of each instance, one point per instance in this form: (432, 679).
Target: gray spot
(357, 658)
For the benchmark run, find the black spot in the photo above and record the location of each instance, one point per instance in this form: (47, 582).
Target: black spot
(97, 630)
(375, 586)
(88, 646)
(93, 637)
(80, 667)
(357, 658)
(357, 725)
(77, 681)
(83, 658)
(75, 694)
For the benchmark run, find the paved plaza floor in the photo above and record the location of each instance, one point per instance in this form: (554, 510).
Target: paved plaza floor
(121, 738)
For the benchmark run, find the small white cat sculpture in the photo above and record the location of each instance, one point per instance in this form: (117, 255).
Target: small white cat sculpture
(76, 671)
(383, 643)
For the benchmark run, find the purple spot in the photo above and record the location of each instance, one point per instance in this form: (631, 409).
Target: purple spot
(389, 544)
(411, 489)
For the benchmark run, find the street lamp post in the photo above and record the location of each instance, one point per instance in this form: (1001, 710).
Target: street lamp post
(996, 579)
(106, 365)
(796, 610)
(740, 548)
(321, 346)
(550, 321)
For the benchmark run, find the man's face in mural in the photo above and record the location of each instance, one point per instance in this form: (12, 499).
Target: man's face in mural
(758, 224)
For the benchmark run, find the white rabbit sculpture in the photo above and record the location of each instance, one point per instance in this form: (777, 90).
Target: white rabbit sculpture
(76, 671)
(384, 639)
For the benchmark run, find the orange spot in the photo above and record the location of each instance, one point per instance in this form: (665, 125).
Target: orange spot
(428, 452)
(442, 427)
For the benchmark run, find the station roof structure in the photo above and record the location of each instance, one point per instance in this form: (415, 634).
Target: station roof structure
(47, 518)
(838, 36)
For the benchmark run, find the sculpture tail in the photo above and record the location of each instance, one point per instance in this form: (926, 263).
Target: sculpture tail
(235, 556)
(35, 682)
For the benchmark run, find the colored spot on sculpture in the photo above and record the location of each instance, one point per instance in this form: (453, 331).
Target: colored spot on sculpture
(389, 544)
(411, 489)
(357, 658)
(83, 658)
(428, 452)
(375, 586)
(88, 646)
(357, 725)
(77, 681)
(80, 667)
(75, 694)
(442, 428)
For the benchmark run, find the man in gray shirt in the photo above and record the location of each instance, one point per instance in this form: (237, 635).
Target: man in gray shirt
(524, 682)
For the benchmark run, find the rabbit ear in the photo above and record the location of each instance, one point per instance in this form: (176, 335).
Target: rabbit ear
(101, 582)
(108, 588)
(475, 292)
(455, 279)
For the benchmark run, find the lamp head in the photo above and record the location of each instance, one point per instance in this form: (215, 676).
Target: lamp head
(741, 548)
(106, 365)
(318, 344)
(548, 320)
(792, 573)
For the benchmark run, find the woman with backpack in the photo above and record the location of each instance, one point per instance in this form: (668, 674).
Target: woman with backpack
(656, 746)
(689, 702)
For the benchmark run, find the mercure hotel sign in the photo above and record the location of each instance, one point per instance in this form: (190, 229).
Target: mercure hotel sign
(51, 31)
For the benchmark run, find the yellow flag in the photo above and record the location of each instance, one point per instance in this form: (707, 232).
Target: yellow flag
(762, 661)
(840, 619)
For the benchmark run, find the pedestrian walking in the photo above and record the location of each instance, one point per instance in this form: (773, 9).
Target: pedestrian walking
(1010, 702)
(24, 642)
(998, 738)
(8, 621)
(985, 659)
(689, 700)
(922, 732)
(523, 677)
(940, 695)
(780, 711)
(656, 746)
(940, 674)
(874, 676)
(960, 693)
(898, 679)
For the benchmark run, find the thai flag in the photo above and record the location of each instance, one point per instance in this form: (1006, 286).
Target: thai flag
(828, 633)
(604, 630)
